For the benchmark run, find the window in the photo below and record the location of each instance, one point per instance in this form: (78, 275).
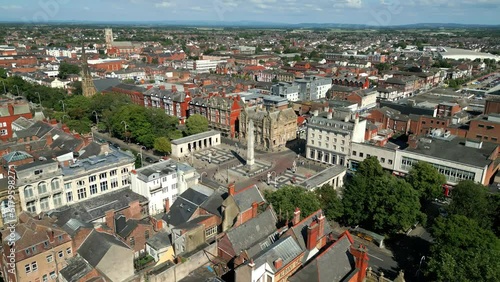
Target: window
(334, 140)
(124, 170)
(60, 254)
(42, 188)
(68, 251)
(44, 204)
(382, 160)
(479, 136)
(50, 258)
(28, 191)
(80, 183)
(46, 244)
(104, 186)
(92, 178)
(312, 142)
(27, 268)
(103, 175)
(174, 186)
(361, 154)
(60, 237)
(57, 200)
(354, 153)
(4, 132)
(146, 234)
(69, 197)
(211, 231)
(480, 125)
(113, 172)
(31, 207)
(343, 142)
(34, 266)
(390, 162)
(132, 241)
(67, 186)
(114, 183)
(93, 189)
(82, 193)
(494, 139)
(54, 184)
(38, 171)
(45, 278)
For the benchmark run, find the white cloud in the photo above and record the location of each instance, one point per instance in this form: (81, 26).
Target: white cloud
(164, 4)
(11, 7)
(353, 4)
(86, 8)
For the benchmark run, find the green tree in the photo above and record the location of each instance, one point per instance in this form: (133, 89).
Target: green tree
(463, 251)
(3, 73)
(163, 145)
(330, 202)
(66, 69)
(78, 106)
(196, 124)
(470, 199)
(427, 180)
(287, 198)
(383, 67)
(379, 201)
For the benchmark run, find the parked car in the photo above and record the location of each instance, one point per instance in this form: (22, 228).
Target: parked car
(149, 160)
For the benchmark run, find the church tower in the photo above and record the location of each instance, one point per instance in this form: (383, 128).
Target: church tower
(108, 34)
(88, 87)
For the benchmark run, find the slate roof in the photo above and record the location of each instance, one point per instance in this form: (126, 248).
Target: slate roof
(95, 208)
(214, 202)
(246, 197)
(300, 230)
(103, 84)
(180, 212)
(160, 240)
(255, 230)
(335, 264)
(76, 269)
(97, 245)
(285, 248)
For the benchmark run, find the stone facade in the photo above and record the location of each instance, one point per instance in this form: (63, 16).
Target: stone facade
(272, 128)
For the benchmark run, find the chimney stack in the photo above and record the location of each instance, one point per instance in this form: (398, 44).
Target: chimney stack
(296, 217)
(167, 205)
(312, 235)
(251, 263)
(110, 219)
(255, 207)
(49, 139)
(50, 234)
(278, 263)
(231, 189)
(321, 223)
(361, 260)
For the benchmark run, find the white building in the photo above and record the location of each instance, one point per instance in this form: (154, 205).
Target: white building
(458, 54)
(184, 146)
(162, 181)
(313, 87)
(203, 66)
(329, 139)
(286, 90)
(98, 175)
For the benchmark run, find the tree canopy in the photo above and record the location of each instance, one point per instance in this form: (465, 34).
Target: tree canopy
(330, 202)
(427, 180)
(66, 69)
(463, 251)
(287, 198)
(470, 199)
(163, 145)
(196, 124)
(380, 201)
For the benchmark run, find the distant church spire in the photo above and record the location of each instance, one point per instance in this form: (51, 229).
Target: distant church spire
(88, 87)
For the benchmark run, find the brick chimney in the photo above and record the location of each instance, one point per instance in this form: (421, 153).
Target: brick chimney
(48, 138)
(255, 207)
(312, 235)
(110, 219)
(50, 234)
(167, 205)
(361, 260)
(296, 217)
(321, 223)
(278, 263)
(413, 141)
(251, 263)
(230, 189)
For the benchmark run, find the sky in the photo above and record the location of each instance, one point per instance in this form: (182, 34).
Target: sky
(372, 12)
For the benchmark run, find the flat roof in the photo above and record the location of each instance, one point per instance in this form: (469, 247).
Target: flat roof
(195, 137)
(98, 162)
(323, 176)
(453, 149)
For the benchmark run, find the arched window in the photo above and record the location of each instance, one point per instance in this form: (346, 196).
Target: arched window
(55, 184)
(42, 187)
(28, 191)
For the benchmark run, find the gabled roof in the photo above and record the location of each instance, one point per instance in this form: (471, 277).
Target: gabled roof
(285, 249)
(255, 230)
(97, 245)
(335, 264)
(159, 241)
(300, 230)
(246, 197)
(76, 269)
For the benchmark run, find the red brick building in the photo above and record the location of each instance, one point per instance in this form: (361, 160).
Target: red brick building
(107, 65)
(10, 110)
(173, 102)
(445, 109)
(492, 106)
(485, 128)
(135, 93)
(390, 119)
(19, 61)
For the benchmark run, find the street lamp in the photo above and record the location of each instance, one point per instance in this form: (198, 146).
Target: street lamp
(62, 102)
(96, 118)
(62, 119)
(39, 100)
(4, 89)
(141, 157)
(201, 175)
(141, 153)
(125, 131)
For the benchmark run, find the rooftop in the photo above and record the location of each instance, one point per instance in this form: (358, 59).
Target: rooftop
(195, 137)
(113, 159)
(323, 176)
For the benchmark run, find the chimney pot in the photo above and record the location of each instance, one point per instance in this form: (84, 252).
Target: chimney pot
(296, 216)
(231, 189)
(167, 205)
(255, 207)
